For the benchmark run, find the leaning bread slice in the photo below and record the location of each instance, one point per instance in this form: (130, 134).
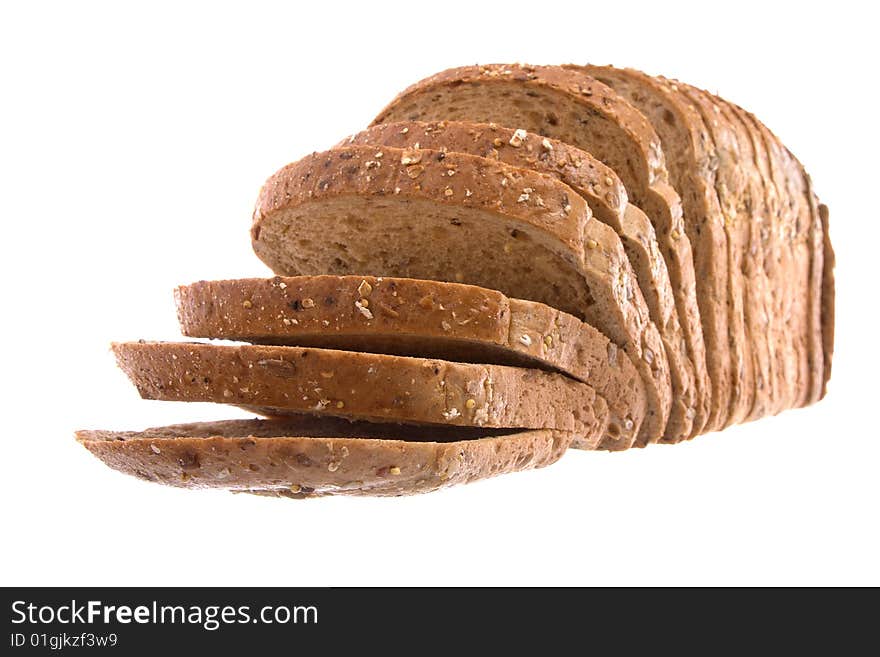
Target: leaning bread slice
(451, 216)
(278, 381)
(409, 317)
(606, 196)
(572, 107)
(314, 457)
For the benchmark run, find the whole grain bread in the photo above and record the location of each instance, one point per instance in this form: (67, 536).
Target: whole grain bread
(567, 105)
(315, 457)
(692, 165)
(606, 196)
(428, 319)
(451, 216)
(278, 381)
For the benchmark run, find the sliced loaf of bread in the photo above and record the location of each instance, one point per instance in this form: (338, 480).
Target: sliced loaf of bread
(314, 457)
(428, 319)
(606, 196)
(427, 214)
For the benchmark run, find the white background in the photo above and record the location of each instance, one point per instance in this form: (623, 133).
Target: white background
(132, 147)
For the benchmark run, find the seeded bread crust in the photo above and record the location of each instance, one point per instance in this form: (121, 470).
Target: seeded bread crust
(606, 196)
(519, 206)
(278, 381)
(315, 457)
(420, 318)
(692, 166)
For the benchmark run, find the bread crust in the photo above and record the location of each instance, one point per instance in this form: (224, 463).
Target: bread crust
(278, 381)
(421, 318)
(606, 196)
(550, 212)
(307, 457)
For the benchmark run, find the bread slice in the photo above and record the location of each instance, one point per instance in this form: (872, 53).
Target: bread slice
(315, 457)
(451, 216)
(692, 169)
(429, 319)
(606, 196)
(567, 105)
(278, 381)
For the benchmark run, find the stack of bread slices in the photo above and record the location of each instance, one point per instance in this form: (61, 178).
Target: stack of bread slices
(510, 261)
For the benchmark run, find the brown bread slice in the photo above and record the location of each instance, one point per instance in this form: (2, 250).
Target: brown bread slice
(691, 165)
(421, 318)
(451, 216)
(570, 106)
(276, 380)
(315, 457)
(606, 196)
